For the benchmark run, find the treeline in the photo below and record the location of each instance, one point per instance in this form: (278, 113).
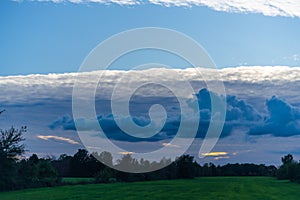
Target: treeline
(40, 172)
(83, 164)
(18, 173)
(237, 170)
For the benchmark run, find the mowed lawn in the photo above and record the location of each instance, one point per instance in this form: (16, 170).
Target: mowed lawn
(263, 188)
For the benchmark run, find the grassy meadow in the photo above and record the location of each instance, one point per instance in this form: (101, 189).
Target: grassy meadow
(263, 188)
(77, 180)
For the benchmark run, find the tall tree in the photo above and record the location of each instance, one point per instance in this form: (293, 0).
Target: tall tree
(185, 166)
(10, 142)
(11, 149)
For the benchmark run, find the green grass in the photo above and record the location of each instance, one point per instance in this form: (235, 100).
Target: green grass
(244, 188)
(78, 180)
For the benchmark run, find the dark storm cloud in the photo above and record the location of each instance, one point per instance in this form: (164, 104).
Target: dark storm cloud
(238, 114)
(237, 109)
(283, 120)
(65, 122)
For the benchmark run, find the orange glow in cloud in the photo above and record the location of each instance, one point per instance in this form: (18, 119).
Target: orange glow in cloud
(126, 152)
(215, 154)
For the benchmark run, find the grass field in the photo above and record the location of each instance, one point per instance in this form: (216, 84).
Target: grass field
(78, 180)
(202, 188)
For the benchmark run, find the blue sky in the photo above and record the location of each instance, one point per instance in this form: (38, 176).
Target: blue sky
(53, 37)
(43, 37)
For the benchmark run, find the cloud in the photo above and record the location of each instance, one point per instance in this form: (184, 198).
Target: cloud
(261, 81)
(255, 129)
(239, 114)
(296, 57)
(47, 137)
(126, 153)
(237, 109)
(267, 7)
(105, 2)
(283, 120)
(66, 122)
(215, 154)
(170, 145)
(112, 130)
(49, 99)
(221, 157)
(287, 8)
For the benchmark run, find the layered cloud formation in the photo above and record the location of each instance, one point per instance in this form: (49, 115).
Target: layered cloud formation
(250, 105)
(288, 8)
(256, 84)
(262, 107)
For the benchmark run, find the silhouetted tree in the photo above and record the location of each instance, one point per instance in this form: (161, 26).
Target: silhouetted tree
(289, 169)
(63, 165)
(11, 149)
(287, 159)
(78, 164)
(83, 164)
(46, 173)
(104, 157)
(10, 143)
(185, 166)
(36, 172)
(34, 159)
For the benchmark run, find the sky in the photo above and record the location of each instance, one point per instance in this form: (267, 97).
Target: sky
(255, 46)
(55, 36)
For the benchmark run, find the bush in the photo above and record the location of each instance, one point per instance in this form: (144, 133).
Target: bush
(107, 175)
(289, 170)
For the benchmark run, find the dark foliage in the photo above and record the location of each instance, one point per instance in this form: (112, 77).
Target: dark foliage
(25, 173)
(18, 174)
(184, 167)
(35, 172)
(289, 170)
(82, 164)
(10, 149)
(45, 172)
(236, 170)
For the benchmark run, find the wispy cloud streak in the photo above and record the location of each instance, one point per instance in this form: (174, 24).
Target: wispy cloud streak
(287, 8)
(47, 137)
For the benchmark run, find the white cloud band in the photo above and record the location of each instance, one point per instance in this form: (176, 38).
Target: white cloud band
(287, 8)
(260, 82)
